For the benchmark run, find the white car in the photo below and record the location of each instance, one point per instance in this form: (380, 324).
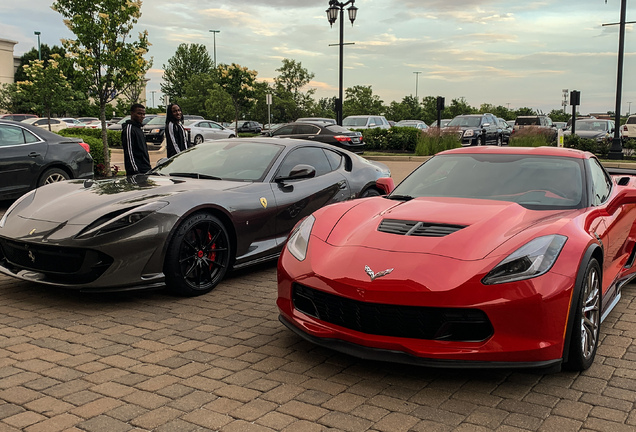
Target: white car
(43, 122)
(629, 128)
(366, 122)
(201, 130)
(73, 123)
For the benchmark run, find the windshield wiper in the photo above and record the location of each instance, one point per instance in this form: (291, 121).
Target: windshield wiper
(195, 175)
(400, 197)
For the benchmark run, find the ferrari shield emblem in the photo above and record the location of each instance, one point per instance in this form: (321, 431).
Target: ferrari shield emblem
(264, 202)
(32, 231)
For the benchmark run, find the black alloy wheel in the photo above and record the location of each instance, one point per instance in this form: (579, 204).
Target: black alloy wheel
(198, 255)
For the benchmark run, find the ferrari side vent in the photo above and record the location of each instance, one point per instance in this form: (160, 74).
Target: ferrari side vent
(415, 228)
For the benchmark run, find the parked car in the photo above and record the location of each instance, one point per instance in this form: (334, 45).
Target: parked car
(31, 156)
(365, 122)
(192, 117)
(506, 129)
(118, 125)
(484, 257)
(419, 124)
(94, 124)
(444, 122)
(600, 130)
(476, 129)
(321, 132)
(155, 129)
(246, 126)
(219, 205)
(56, 125)
(540, 122)
(317, 120)
(87, 119)
(201, 130)
(73, 123)
(17, 117)
(629, 128)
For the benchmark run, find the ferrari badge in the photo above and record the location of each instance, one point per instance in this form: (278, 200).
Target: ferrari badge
(264, 202)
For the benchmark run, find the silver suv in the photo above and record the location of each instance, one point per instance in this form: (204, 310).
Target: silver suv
(629, 128)
(366, 122)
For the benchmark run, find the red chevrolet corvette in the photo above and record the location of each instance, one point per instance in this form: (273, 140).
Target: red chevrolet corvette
(482, 257)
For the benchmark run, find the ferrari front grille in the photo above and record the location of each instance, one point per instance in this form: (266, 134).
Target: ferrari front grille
(415, 228)
(56, 263)
(415, 322)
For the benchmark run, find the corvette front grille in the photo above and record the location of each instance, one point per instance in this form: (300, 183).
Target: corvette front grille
(56, 263)
(415, 322)
(415, 228)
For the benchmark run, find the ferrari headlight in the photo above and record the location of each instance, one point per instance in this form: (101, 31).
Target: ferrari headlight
(469, 133)
(531, 260)
(299, 238)
(13, 206)
(117, 220)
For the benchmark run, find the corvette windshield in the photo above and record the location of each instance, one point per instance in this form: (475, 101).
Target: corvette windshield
(239, 160)
(536, 182)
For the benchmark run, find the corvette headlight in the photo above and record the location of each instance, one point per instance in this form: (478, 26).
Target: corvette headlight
(531, 260)
(299, 238)
(122, 219)
(469, 133)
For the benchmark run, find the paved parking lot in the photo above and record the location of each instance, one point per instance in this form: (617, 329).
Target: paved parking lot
(150, 361)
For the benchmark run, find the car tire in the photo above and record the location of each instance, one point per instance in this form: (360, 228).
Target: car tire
(371, 192)
(53, 175)
(198, 139)
(587, 320)
(232, 136)
(198, 255)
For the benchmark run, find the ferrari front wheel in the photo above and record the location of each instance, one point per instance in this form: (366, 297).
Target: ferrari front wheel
(587, 320)
(198, 255)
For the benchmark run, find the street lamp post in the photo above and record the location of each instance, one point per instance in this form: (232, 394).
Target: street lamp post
(153, 97)
(417, 79)
(332, 15)
(37, 33)
(214, 32)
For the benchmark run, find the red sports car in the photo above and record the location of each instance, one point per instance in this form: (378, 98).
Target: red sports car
(482, 257)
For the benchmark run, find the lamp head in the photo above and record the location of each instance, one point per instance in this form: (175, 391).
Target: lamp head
(353, 11)
(37, 33)
(332, 14)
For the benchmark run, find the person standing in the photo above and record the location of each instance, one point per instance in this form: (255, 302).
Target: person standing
(176, 138)
(133, 141)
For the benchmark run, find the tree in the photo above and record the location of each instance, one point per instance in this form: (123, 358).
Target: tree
(288, 84)
(46, 88)
(408, 109)
(559, 115)
(360, 100)
(458, 107)
(108, 63)
(238, 82)
(525, 111)
(186, 63)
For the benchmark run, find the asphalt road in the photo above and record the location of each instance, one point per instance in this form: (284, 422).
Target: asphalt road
(150, 361)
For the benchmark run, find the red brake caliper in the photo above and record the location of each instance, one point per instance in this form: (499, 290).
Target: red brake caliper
(212, 254)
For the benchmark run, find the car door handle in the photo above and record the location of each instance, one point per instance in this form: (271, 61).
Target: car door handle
(34, 154)
(342, 184)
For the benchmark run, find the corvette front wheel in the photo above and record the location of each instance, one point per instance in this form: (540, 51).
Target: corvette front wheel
(587, 320)
(198, 255)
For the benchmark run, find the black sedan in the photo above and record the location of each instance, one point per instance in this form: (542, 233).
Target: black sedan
(321, 132)
(219, 205)
(31, 156)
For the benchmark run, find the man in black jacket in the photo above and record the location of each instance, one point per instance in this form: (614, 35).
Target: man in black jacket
(136, 159)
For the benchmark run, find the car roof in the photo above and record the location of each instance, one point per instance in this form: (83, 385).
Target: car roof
(530, 151)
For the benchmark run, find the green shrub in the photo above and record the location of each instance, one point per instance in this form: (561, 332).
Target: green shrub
(400, 139)
(600, 149)
(95, 144)
(432, 142)
(114, 137)
(532, 137)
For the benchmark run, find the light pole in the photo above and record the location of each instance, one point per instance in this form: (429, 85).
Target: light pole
(153, 97)
(214, 32)
(417, 79)
(332, 15)
(629, 108)
(37, 33)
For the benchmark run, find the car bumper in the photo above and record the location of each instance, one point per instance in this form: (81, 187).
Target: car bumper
(154, 138)
(522, 334)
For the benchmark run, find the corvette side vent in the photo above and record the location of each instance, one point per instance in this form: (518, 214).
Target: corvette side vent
(415, 228)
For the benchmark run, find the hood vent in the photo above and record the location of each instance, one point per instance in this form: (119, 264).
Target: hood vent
(415, 228)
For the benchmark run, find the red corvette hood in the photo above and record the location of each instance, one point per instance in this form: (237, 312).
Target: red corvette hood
(471, 228)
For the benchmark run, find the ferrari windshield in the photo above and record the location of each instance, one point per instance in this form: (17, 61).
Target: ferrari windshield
(239, 160)
(536, 182)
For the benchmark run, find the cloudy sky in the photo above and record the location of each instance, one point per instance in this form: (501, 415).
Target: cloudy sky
(511, 53)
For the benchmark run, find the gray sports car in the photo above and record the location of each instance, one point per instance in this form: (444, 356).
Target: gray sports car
(220, 205)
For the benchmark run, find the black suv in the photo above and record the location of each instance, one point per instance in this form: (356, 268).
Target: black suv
(476, 129)
(246, 126)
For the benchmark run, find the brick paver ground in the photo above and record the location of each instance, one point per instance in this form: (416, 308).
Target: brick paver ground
(150, 361)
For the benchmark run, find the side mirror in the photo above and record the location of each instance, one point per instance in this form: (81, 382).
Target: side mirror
(162, 161)
(485, 125)
(300, 171)
(385, 184)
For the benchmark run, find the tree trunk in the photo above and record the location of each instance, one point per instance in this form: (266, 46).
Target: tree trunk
(102, 116)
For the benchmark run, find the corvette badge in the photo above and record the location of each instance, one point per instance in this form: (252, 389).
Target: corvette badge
(374, 276)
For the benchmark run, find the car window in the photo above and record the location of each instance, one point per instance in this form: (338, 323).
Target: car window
(13, 135)
(284, 130)
(306, 129)
(601, 183)
(335, 159)
(354, 121)
(214, 126)
(313, 156)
